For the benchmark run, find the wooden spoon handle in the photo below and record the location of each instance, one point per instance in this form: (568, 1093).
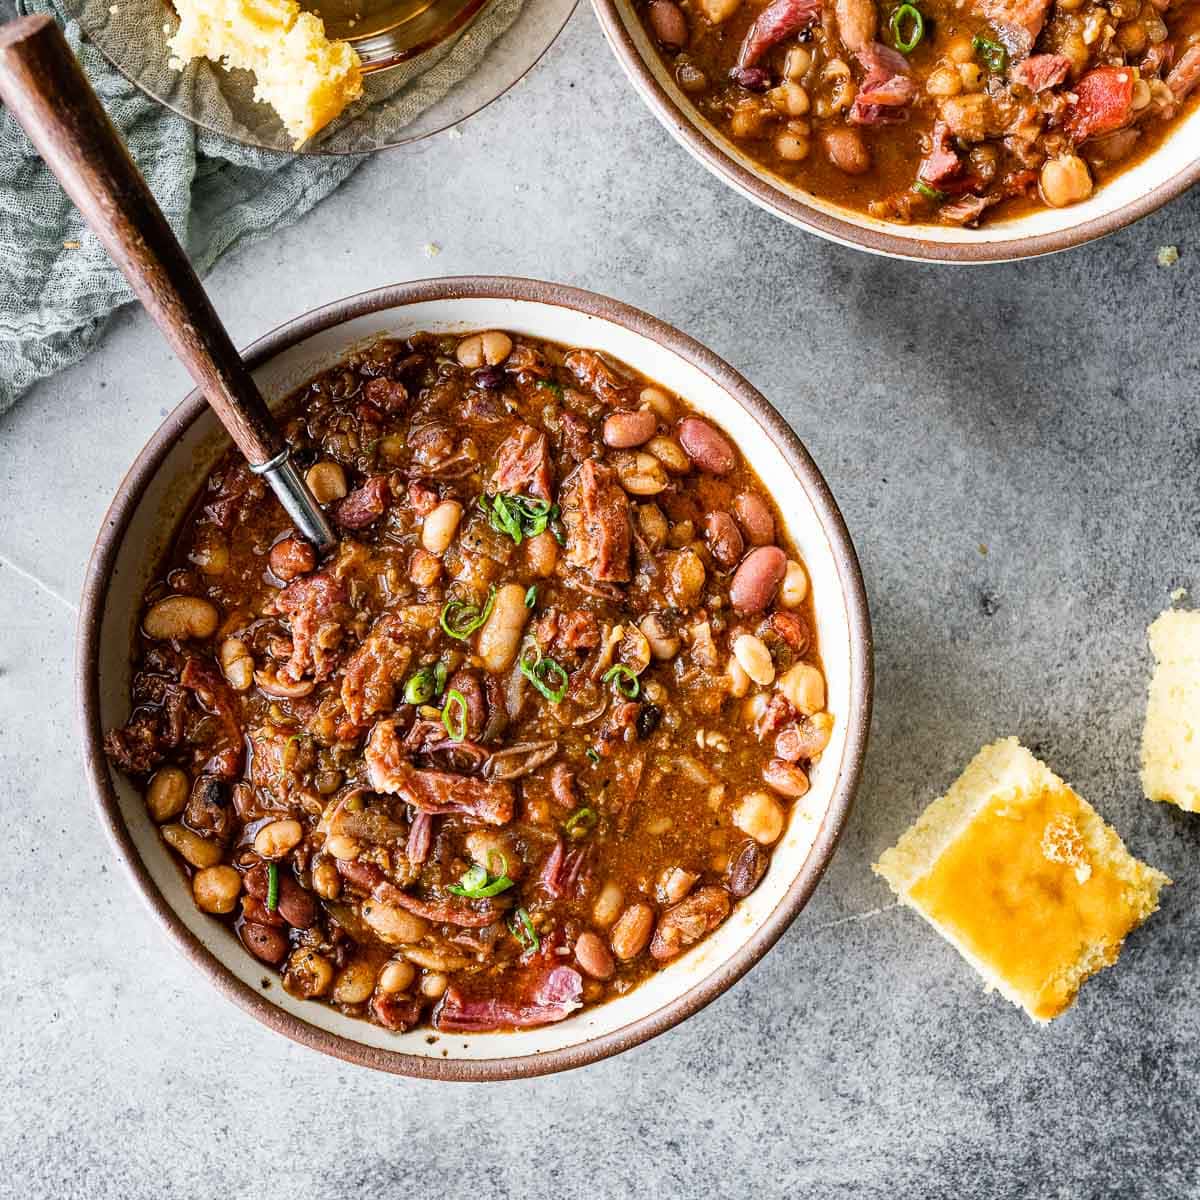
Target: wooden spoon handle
(47, 92)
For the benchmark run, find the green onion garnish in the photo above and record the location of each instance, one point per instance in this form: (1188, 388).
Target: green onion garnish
(531, 596)
(912, 15)
(477, 884)
(930, 193)
(548, 676)
(593, 756)
(551, 386)
(460, 618)
(425, 684)
(521, 927)
(994, 55)
(581, 822)
(517, 516)
(454, 715)
(272, 887)
(624, 680)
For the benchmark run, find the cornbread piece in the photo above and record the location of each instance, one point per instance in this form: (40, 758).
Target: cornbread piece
(1171, 740)
(1023, 878)
(307, 78)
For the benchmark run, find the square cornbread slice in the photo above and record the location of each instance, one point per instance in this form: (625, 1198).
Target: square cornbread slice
(307, 78)
(1171, 740)
(1023, 878)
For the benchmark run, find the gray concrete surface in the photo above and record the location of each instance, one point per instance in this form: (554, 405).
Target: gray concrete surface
(1045, 411)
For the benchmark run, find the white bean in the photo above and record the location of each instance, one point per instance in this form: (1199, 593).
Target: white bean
(794, 587)
(327, 481)
(759, 816)
(501, 633)
(804, 688)
(440, 527)
(754, 658)
(178, 617)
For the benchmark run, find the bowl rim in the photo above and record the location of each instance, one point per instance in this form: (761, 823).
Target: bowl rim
(684, 126)
(92, 606)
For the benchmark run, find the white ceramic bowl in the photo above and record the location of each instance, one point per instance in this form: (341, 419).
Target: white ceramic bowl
(152, 500)
(1135, 193)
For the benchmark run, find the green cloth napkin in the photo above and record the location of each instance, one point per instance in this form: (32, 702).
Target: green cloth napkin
(57, 285)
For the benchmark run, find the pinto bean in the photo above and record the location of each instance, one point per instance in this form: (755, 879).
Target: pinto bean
(706, 447)
(308, 974)
(847, 151)
(669, 24)
(746, 869)
(632, 931)
(724, 540)
(292, 556)
(501, 633)
(789, 627)
(754, 516)
(785, 778)
(804, 739)
(756, 581)
(624, 430)
(296, 906)
(759, 816)
(593, 956)
(689, 921)
(265, 942)
(180, 617)
(608, 904)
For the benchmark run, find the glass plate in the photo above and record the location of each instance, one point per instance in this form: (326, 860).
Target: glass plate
(405, 45)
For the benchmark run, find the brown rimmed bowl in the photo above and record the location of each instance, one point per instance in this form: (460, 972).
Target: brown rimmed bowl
(1146, 186)
(151, 502)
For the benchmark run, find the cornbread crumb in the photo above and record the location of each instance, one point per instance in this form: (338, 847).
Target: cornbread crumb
(1023, 878)
(307, 78)
(1179, 595)
(1168, 256)
(1171, 738)
(431, 249)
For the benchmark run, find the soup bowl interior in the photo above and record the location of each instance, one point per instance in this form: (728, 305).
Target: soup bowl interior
(153, 499)
(1162, 175)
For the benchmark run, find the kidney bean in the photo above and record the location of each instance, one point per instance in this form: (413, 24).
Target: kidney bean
(669, 24)
(782, 777)
(624, 430)
(265, 942)
(488, 378)
(754, 516)
(593, 956)
(707, 448)
(296, 906)
(632, 931)
(291, 557)
(724, 540)
(746, 869)
(689, 921)
(753, 79)
(756, 581)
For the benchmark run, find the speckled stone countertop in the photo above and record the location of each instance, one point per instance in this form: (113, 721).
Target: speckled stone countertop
(1017, 452)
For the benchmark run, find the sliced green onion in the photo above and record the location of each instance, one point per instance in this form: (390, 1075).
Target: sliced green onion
(521, 927)
(460, 618)
(516, 515)
(531, 596)
(581, 822)
(548, 676)
(422, 686)
(272, 887)
(593, 756)
(439, 678)
(624, 680)
(551, 386)
(456, 702)
(994, 55)
(930, 193)
(477, 884)
(912, 15)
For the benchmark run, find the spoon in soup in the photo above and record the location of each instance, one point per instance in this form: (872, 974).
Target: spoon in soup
(45, 89)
